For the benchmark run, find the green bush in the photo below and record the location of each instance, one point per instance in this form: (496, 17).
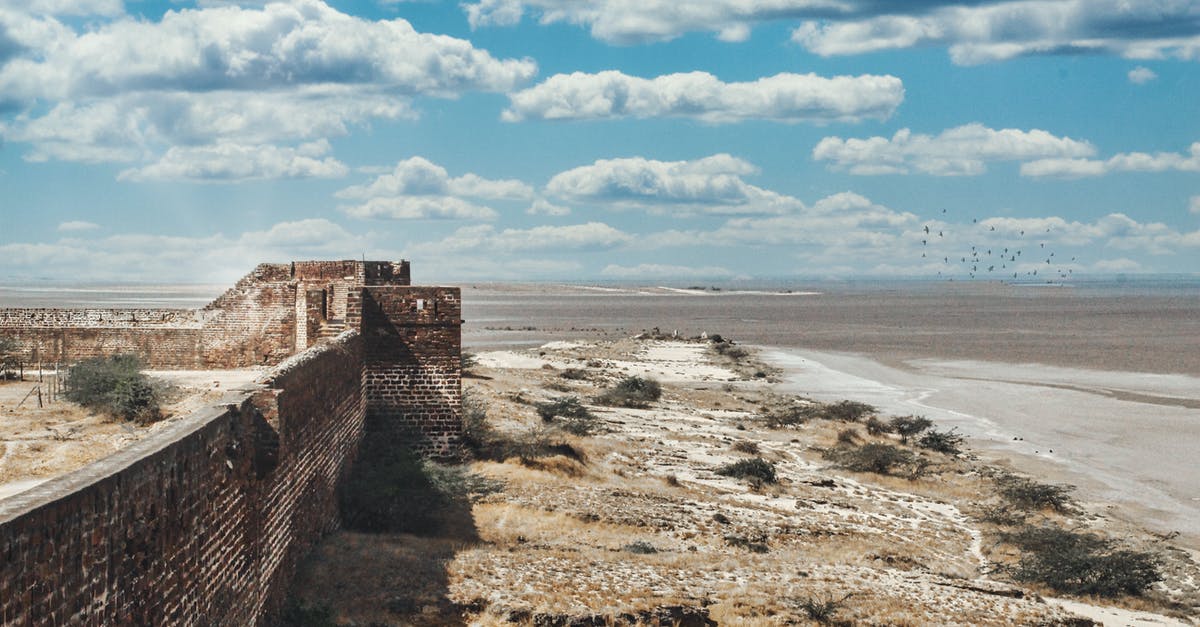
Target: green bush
(631, 392)
(1081, 563)
(576, 418)
(847, 411)
(8, 354)
(476, 429)
(786, 416)
(947, 442)
(1031, 495)
(908, 426)
(116, 386)
(883, 459)
(757, 469)
(875, 426)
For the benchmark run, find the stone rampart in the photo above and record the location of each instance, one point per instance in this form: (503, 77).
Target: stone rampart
(202, 522)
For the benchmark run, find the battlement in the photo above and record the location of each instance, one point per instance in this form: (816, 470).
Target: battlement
(214, 511)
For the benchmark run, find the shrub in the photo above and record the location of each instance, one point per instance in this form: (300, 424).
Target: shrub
(631, 392)
(746, 446)
(641, 547)
(823, 612)
(875, 426)
(847, 411)
(757, 469)
(908, 426)
(577, 419)
(476, 430)
(881, 459)
(574, 374)
(848, 437)
(8, 354)
(754, 545)
(730, 350)
(1028, 494)
(947, 442)
(388, 489)
(116, 386)
(468, 362)
(788, 416)
(1081, 563)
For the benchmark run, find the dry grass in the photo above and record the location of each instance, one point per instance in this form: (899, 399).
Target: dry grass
(554, 543)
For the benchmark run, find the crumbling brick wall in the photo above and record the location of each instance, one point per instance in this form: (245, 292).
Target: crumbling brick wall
(201, 523)
(271, 313)
(412, 371)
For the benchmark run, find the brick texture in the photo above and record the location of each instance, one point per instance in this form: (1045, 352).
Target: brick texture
(202, 523)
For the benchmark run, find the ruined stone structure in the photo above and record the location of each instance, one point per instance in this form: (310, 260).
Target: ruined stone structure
(204, 521)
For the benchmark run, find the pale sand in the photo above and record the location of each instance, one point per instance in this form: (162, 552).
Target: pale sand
(1125, 438)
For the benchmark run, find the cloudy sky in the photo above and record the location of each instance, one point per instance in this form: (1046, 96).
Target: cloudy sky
(639, 140)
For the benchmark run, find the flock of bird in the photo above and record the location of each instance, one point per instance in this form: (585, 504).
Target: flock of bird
(1004, 259)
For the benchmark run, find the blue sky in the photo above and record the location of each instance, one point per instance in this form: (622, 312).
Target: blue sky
(600, 139)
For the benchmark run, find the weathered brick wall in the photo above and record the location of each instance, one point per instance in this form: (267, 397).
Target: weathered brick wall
(412, 373)
(265, 317)
(201, 523)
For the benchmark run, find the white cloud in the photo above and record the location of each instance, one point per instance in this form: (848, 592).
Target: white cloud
(1141, 75)
(1120, 264)
(1194, 205)
(420, 189)
(1113, 231)
(959, 151)
(420, 208)
(1123, 162)
(700, 95)
(77, 225)
(276, 75)
(543, 207)
(1003, 30)
(229, 162)
(203, 258)
(975, 32)
(591, 236)
(712, 185)
(659, 271)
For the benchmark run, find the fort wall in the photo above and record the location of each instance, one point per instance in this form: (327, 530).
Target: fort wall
(200, 523)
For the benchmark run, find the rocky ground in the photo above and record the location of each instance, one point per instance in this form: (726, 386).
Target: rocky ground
(630, 524)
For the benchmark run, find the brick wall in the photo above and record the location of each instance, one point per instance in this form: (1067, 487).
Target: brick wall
(269, 314)
(412, 371)
(201, 523)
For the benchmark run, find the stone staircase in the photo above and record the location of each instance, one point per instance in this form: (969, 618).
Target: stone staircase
(330, 329)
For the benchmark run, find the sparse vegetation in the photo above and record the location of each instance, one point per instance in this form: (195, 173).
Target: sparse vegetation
(476, 429)
(755, 469)
(787, 416)
(848, 437)
(846, 411)
(576, 418)
(909, 426)
(8, 356)
(641, 547)
(116, 386)
(1081, 563)
(299, 614)
(877, 427)
(948, 442)
(754, 545)
(574, 374)
(883, 459)
(1027, 494)
(635, 392)
(823, 611)
(746, 446)
(469, 362)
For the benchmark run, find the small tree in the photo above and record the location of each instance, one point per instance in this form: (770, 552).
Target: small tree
(948, 442)
(908, 426)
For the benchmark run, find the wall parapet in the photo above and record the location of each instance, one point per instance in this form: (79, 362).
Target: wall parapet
(204, 520)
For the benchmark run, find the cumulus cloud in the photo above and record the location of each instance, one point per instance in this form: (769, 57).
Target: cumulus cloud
(226, 162)
(658, 271)
(974, 32)
(980, 33)
(712, 185)
(543, 207)
(204, 258)
(959, 151)
(420, 189)
(1141, 75)
(700, 95)
(77, 225)
(1114, 231)
(1123, 162)
(591, 236)
(128, 90)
